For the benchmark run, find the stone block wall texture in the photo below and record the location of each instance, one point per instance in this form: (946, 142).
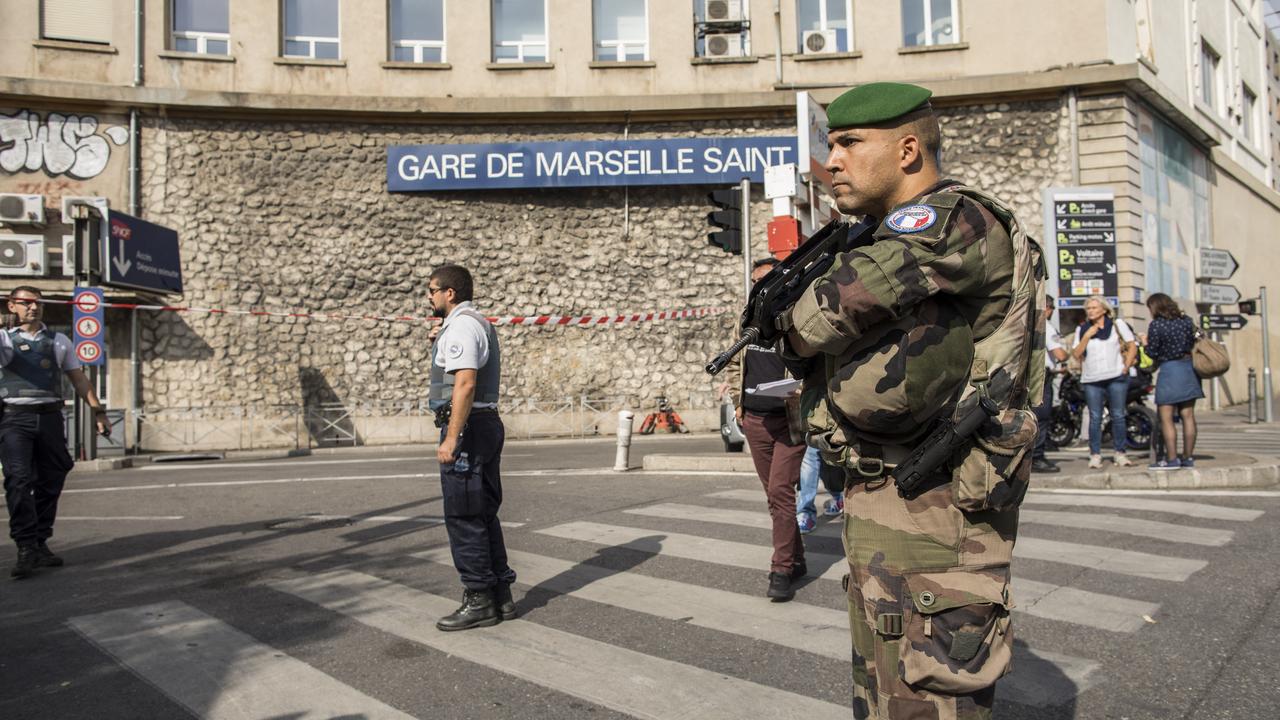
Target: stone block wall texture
(296, 216)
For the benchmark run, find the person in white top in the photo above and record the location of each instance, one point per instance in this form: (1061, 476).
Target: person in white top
(1107, 348)
(1054, 353)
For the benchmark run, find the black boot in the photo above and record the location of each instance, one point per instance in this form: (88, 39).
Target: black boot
(477, 610)
(45, 556)
(780, 587)
(26, 564)
(502, 598)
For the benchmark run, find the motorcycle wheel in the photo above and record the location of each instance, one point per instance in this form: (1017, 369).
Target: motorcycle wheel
(1062, 428)
(1140, 426)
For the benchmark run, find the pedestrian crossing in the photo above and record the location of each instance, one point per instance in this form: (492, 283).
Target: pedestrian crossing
(180, 649)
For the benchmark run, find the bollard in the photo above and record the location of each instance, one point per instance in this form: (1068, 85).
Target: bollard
(1253, 396)
(623, 461)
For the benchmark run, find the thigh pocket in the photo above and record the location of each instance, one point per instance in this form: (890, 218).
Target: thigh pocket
(995, 472)
(957, 637)
(463, 491)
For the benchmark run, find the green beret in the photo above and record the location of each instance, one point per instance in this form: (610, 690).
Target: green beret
(875, 103)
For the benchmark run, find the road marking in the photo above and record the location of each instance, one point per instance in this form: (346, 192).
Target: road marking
(744, 518)
(818, 630)
(755, 496)
(608, 471)
(1204, 493)
(1173, 507)
(1081, 607)
(617, 678)
(1169, 532)
(296, 462)
(103, 518)
(690, 547)
(231, 483)
(429, 520)
(1125, 562)
(218, 672)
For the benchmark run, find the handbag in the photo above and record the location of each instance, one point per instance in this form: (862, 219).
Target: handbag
(1209, 357)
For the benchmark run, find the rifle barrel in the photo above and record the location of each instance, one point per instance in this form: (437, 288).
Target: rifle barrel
(749, 336)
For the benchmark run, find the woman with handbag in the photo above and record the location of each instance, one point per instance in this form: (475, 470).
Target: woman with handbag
(1170, 339)
(1107, 348)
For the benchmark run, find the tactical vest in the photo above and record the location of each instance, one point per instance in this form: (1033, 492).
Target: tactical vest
(33, 371)
(487, 377)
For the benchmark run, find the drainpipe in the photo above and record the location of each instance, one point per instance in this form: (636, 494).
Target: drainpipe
(135, 207)
(777, 30)
(1073, 115)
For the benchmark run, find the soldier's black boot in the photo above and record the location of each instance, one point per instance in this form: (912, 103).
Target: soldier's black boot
(45, 556)
(502, 598)
(477, 610)
(26, 564)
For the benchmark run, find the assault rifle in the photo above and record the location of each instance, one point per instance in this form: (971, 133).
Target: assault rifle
(781, 288)
(947, 437)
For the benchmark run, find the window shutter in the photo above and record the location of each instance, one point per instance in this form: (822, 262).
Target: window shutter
(81, 20)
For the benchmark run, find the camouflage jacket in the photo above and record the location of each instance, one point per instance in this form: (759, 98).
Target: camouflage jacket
(899, 321)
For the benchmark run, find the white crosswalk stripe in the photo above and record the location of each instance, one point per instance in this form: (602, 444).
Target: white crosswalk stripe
(1146, 504)
(624, 680)
(1169, 532)
(218, 672)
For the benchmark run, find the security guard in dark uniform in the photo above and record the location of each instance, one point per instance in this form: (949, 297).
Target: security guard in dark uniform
(466, 369)
(33, 444)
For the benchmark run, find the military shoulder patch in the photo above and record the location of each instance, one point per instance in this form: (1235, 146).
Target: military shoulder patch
(912, 219)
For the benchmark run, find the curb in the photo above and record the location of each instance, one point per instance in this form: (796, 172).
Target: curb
(1257, 475)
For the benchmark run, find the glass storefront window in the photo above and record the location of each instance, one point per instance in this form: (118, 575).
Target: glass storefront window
(1175, 206)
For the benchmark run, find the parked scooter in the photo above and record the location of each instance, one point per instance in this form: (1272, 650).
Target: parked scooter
(1068, 411)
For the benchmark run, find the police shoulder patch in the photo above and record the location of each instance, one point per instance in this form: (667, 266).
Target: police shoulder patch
(912, 219)
(455, 350)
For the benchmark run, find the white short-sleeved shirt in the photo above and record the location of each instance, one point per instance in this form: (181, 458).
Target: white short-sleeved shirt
(1103, 359)
(1052, 341)
(62, 353)
(463, 344)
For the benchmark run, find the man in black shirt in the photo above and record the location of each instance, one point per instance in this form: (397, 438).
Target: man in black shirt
(777, 457)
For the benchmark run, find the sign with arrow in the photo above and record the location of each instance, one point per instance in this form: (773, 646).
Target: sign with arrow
(1216, 321)
(1085, 234)
(141, 255)
(1217, 264)
(1219, 294)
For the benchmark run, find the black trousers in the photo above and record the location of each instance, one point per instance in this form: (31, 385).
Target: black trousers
(1044, 412)
(471, 501)
(33, 449)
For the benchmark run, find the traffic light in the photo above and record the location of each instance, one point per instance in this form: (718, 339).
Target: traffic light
(728, 218)
(1248, 307)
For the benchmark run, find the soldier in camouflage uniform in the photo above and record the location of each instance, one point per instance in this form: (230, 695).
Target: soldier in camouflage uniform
(939, 308)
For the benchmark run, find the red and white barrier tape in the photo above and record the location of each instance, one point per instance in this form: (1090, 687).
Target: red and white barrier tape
(580, 320)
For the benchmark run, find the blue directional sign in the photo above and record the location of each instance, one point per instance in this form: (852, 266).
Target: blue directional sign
(87, 326)
(141, 255)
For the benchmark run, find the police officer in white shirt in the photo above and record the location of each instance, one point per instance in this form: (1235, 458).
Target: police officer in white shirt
(33, 444)
(466, 368)
(1054, 354)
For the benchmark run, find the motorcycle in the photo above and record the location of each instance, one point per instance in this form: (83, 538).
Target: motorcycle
(1140, 420)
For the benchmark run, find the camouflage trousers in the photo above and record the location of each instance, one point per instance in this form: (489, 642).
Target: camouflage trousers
(928, 603)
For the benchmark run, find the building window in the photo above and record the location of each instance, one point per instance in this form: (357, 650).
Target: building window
(930, 22)
(722, 28)
(311, 29)
(417, 31)
(1175, 206)
(621, 30)
(1210, 66)
(1249, 115)
(519, 31)
(201, 26)
(76, 20)
(822, 26)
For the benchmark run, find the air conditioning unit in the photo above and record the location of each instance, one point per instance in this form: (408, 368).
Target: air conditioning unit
(68, 255)
(723, 44)
(722, 11)
(21, 209)
(817, 42)
(101, 203)
(22, 255)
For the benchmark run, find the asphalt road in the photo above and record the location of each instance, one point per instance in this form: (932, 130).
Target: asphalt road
(308, 588)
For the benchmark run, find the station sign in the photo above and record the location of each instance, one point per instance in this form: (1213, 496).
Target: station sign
(87, 325)
(141, 255)
(1084, 232)
(1218, 321)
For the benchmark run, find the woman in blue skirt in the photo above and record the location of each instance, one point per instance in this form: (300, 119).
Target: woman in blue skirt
(1169, 340)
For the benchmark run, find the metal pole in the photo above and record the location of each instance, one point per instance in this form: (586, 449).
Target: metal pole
(1253, 396)
(1266, 358)
(80, 220)
(135, 380)
(745, 189)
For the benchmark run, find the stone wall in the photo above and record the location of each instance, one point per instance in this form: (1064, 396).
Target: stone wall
(284, 216)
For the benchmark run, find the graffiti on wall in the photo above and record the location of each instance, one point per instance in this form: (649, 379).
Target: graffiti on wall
(58, 144)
